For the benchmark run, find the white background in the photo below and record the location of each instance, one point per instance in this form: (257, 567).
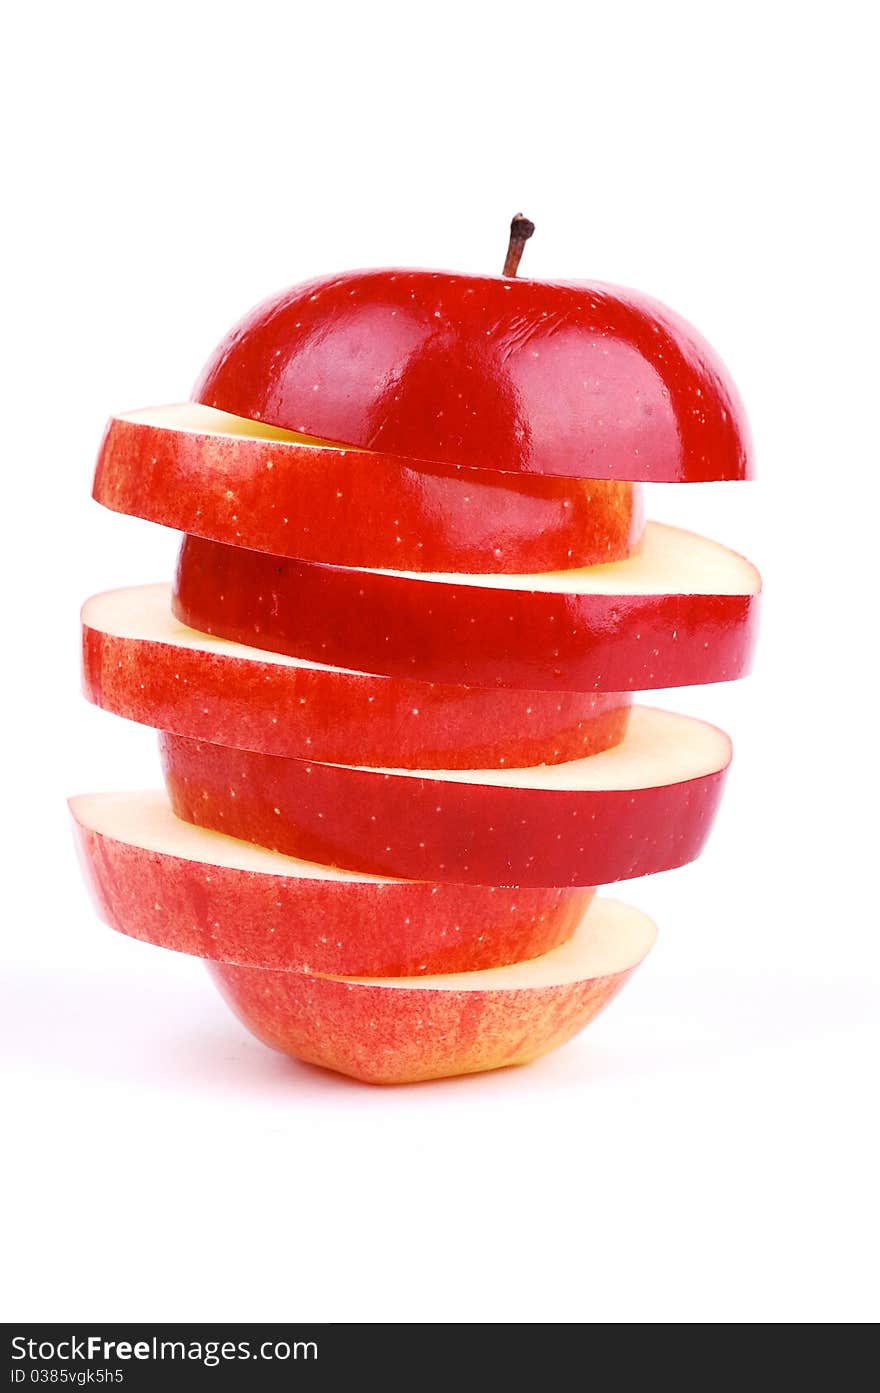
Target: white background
(708, 1150)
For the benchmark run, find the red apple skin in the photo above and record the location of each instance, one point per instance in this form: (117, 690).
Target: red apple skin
(383, 1036)
(356, 509)
(438, 632)
(570, 379)
(356, 928)
(428, 829)
(343, 717)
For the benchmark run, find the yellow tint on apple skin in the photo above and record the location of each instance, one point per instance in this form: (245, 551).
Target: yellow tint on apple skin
(390, 1031)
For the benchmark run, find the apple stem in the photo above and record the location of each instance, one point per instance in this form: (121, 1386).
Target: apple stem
(521, 230)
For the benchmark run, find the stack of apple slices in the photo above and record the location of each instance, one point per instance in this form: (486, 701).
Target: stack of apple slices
(393, 678)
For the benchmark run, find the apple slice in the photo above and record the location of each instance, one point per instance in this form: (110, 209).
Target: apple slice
(579, 379)
(681, 610)
(645, 806)
(403, 1031)
(166, 882)
(240, 481)
(141, 663)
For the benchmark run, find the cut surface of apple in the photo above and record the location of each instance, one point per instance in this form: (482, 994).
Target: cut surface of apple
(140, 662)
(681, 610)
(169, 883)
(404, 1031)
(243, 482)
(645, 806)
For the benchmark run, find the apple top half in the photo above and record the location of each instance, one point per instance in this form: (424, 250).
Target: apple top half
(582, 380)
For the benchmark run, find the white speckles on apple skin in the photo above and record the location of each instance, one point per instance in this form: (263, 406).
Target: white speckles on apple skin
(585, 638)
(408, 1035)
(392, 514)
(643, 353)
(335, 715)
(390, 927)
(388, 823)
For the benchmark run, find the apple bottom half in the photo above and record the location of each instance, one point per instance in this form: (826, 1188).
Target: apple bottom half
(399, 1032)
(162, 881)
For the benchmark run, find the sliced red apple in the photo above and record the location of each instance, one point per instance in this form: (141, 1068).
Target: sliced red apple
(404, 1031)
(252, 485)
(161, 880)
(681, 610)
(577, 379)
(141, 663)
(645, 806)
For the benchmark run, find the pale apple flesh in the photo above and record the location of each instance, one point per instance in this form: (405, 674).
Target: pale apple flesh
(166, 882)
(141, 663)
(681, 610)
(392, 681)
(393, 1031)
(243, 482)
(645, 806)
